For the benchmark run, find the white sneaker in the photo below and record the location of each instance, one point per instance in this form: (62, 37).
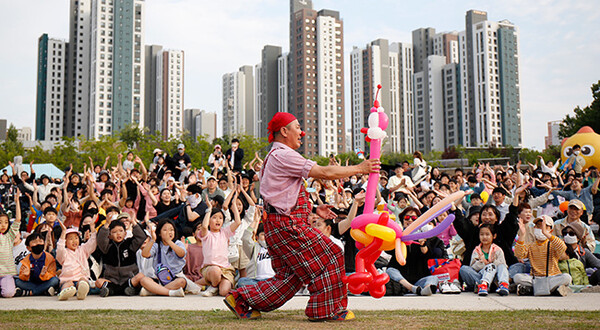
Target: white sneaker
(83, 288)
(210, 291)
(177, 293)
(145, 293)
(455, 287)
(445, 288)
(67, 293)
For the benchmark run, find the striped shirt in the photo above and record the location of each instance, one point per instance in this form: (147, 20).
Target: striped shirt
(536, 252)
(7, 240)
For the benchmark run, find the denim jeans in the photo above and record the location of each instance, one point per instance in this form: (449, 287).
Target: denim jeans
(37, 288)
(243, 281)
(395, 275)
(519, 268)
(472, 277)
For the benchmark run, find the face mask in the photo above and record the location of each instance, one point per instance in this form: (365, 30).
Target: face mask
(570, 239)
(262, 243)
(37, 249)
(194, 201)
(353, 181)
(539, 235)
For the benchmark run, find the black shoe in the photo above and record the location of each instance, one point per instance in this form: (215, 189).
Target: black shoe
(523, 290)
(130, 291)
(19, 292)
(104, 292)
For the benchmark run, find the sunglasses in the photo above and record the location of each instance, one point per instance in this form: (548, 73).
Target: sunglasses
(410, 217)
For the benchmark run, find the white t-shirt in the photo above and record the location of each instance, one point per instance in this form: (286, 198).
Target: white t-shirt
(264, 270)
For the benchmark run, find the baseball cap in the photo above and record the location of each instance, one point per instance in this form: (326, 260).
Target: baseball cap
(212, 177)
(123, 215)
(156, 150)
(217, 146)
(180, 146)
(500, 190)
(577, 203)
(546, 219)
(72, 230)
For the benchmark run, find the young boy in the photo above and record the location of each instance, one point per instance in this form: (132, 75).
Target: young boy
(255, 247)
(37, 275)
(121, 274)
(537, 253)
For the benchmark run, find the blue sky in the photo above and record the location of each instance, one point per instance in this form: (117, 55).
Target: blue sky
(559, 44)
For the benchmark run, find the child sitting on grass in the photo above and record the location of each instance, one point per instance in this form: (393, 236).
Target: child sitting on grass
(37, 275)
(8, 233)
(121, 274)
(216, 269)
(488, 260)
(542, 263)
(75, 274)
(167, 253)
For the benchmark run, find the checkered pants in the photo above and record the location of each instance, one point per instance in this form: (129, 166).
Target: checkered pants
(299, 255)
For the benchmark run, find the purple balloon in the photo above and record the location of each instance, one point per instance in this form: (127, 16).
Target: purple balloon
(435, 215)
(434, 232)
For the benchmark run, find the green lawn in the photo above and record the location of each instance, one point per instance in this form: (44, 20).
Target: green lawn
(99, 319)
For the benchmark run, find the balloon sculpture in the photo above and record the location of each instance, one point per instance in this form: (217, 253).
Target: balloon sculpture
(374, 233)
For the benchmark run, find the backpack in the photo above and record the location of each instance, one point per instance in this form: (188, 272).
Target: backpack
(575, 268)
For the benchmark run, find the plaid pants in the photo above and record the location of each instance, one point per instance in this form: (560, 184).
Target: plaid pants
(299, 255)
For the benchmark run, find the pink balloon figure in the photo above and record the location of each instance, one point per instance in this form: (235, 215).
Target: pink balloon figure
(366, 277)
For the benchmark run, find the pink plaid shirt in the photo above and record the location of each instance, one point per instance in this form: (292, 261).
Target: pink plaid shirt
(281, 177)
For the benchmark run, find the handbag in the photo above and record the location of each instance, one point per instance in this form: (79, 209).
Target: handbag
(444, 269)
(163, 273)
(541, 285)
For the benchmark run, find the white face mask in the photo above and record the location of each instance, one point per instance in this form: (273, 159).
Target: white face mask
(194, 200)
(570, 239)
(539, 235)
(353, 181)
(262, 243)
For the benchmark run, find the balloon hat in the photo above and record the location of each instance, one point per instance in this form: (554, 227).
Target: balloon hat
(374, 232)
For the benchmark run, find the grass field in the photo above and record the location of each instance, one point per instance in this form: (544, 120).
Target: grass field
(101, 319)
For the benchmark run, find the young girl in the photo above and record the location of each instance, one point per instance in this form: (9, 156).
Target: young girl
(488, 260)
(171, 253)
(216, 269)
(8, 233)
(245, 209)
(73, 257)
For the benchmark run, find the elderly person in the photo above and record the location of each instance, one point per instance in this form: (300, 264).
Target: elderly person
(300, 254)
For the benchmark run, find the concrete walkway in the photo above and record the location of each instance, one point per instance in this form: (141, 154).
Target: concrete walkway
(461, 302)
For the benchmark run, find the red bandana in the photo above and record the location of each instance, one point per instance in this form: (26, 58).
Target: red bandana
(281, 119)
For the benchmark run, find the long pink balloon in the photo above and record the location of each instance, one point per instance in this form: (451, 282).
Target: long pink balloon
(375, 152)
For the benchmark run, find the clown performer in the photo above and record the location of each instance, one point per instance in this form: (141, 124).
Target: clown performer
(300, 254)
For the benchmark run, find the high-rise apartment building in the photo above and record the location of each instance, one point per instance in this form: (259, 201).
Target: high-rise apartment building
(282, 83)
(105, 68)
(446, 44)
(422, 40)
(50, 103)
(429, 105)
(316, 77)
(206, 124)
(553, 139)
(169, 93)
(238, 102)
(267, 89)
(151, 53)
(390, 66)
(495, 73)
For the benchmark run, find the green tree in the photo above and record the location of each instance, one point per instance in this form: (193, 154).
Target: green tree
(11, 147)
(132, 135)
(588, 116)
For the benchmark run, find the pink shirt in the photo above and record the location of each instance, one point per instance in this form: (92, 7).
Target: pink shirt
(215, 248)
(75, 263)
(281, 177)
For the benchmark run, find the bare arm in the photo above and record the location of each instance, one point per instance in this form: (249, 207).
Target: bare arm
(333, 172)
